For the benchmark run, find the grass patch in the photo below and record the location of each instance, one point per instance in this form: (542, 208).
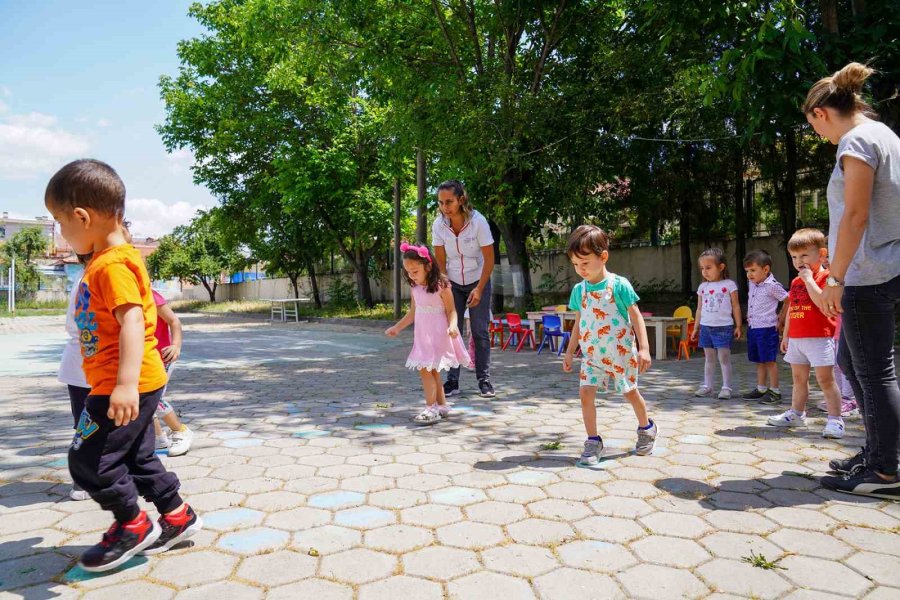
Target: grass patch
(31, 308)
(761, 562)
(383, 311)
(554, 445)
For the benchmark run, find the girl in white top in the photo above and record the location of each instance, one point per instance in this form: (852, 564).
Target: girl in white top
(719, 317)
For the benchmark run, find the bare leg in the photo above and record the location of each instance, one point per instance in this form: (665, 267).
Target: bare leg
(639, 405)
(440, 398)
(428, 386)
(156, 428)
(825, 377)
(172, 421)
(800, 394)
(588, 395)
(772, 369)
(761, 374)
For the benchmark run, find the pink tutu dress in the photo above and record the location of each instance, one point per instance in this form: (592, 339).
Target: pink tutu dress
(433, 348)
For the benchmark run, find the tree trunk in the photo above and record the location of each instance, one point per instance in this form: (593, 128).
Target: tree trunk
(421, 204)
(497, 278)
(829, 15)
(294, 278)
(787, 198)
(740, 223)
(211, 290)
(684, 234)
(515, 235)
(311, 270)
(363, 285)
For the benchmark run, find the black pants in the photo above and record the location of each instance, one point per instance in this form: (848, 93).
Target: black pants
(77, 396)
(479, 320)
(115, 464)
(866, 355)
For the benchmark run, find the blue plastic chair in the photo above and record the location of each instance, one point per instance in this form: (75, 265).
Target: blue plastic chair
(553, 329)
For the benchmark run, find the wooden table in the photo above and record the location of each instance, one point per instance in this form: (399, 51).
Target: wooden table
(286, 307)
(659, 324)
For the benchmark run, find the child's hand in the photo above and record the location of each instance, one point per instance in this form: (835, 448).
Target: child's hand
(567, 362)
(391, 331)
(453, 331)
(695, 333)
(644, 361)
(805, 273)
(170, 353)
(123, 404)
(784, 345)
(737, 332)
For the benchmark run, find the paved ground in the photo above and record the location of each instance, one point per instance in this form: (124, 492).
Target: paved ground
(314, 484)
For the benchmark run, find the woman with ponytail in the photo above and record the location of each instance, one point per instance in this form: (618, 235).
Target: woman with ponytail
(864, 286)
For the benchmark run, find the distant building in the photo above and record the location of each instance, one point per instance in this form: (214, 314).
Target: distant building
(9, 227)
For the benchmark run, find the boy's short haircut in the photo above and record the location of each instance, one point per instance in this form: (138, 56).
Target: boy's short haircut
(804, 238)
(87, 183)
(587, 239)
(760, 258)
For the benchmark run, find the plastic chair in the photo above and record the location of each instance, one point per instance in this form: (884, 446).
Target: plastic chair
(674, 331)
(518, 331)
(496, 328)
(687, 345)
(552, 330)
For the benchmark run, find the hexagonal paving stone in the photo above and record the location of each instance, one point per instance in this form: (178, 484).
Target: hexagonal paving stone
(661, 583)
(810, 543)
(401, 587)
(397, 499)
(311, 485)
(440, 563)
(631, 489)
(675, 524)
(617, 506)
(457, 496)
(327, 539)
(673, 552)
(193, 568)
(609, 529)
(472, 587)
(252, 541)
(497, 513)
(517, 494)
(540, 532)
(277, 568)
(365, 517)
(861, 515)
(431, 515)
(224, 590)
(312, 588)
(274, 501)
(24, 571)
(727, 544)
(740, 522)
(572, 583)
(28, 520)
(517, 559)
(568, 490)
(800, 518)
(232, 518)
(820, 574)
(336, 500)
(594, 555)
(132, 589)
(398, 538)
(870, 539)
(423, 483)
(743, 579)
(880, 568)
(559, 510)
(358, 566)
(470, 535)
(298, 518)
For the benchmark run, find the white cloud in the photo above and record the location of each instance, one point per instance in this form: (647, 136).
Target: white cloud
(103, 123)
(180, 161)
(151, 217)
(3, 107)
(33, 144)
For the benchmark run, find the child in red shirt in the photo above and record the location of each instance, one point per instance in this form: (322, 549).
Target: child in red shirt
(809, 335)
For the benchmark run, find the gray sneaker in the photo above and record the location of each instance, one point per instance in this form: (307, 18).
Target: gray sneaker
(646, 440)
(592, 451)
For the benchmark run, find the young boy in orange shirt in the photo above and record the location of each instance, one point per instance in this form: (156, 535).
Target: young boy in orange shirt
(112, 455)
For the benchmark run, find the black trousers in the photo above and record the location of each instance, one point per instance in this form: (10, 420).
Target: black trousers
(77, 396)
(116, 464)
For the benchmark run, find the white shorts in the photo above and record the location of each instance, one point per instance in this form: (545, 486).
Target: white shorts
(815, 352)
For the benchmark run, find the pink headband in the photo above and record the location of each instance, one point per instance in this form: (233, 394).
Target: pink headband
(420, 250)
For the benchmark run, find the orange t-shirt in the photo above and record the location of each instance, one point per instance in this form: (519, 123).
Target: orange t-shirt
(115, 277)
(807, 321)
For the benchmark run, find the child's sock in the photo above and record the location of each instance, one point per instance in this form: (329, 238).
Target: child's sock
(839, 419)
(649, 426)
(775, 390)
(761, 388)
(799, 414)
(596, 438)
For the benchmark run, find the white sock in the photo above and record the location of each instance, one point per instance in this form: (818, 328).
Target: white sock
(799, 414)
(761, 388)
(776, 390)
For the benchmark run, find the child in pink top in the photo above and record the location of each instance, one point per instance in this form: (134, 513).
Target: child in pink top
(168, 344)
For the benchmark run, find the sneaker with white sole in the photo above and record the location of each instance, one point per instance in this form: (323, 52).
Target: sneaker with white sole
(120, 542)
(162, 442)
(646, 440)
(181, 441)
(429, 416)
(834, 429)
(591, 453)
(863, 482)
(788, 419)
(77, 494)
(703, 391)
(725, 393)
(451, 388)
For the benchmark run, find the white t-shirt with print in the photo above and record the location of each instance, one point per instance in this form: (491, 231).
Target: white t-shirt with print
(715, 303)
(70, 371)
(464, 257)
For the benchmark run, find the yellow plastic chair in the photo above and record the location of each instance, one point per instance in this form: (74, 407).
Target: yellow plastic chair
(674, 331)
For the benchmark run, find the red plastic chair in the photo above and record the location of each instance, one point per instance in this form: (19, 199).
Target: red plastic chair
(687, 345)
(496, 328)
(519, 331)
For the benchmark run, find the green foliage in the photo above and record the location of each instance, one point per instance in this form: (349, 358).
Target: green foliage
(761, 562)
(27, 245)
(342, 293)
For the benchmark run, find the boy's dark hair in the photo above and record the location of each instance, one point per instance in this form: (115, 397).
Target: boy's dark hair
(434, 279)
(587, 239)
(87, 183)
(718, 255)
(760, 258)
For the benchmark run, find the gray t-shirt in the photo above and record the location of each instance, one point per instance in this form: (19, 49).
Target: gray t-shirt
(878, 257)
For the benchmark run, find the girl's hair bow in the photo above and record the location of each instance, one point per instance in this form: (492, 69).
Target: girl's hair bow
(420, 250)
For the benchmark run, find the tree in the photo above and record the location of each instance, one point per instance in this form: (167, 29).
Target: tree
(196, 253)
(27, 244)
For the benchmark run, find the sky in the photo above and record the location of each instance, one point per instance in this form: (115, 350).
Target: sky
(80, 80)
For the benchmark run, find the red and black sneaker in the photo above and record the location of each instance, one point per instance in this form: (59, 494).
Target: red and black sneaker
(176, 527)
(119, 544)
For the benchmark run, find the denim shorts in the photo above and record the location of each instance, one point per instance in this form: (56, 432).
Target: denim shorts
(762, 344)
(716, 337)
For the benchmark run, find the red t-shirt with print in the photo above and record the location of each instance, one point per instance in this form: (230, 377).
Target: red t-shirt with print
(806, 320)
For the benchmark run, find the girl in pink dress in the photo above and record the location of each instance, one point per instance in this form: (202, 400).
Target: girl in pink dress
(437, 345)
